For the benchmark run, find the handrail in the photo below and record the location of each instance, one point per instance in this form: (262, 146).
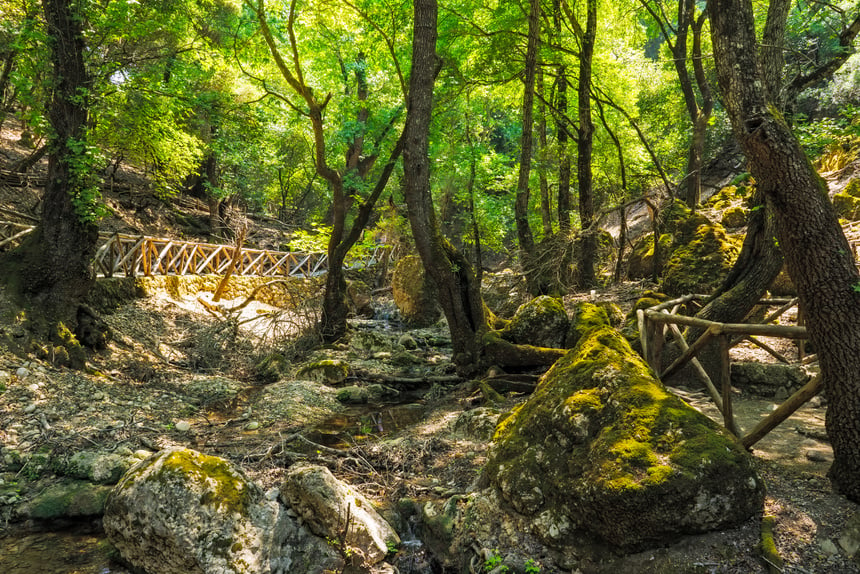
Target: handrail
(139, 255)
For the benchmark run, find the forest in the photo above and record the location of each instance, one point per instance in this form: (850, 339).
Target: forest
(548, 283)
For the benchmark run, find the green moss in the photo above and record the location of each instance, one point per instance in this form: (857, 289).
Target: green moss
(701, 263)
(620, 443)
(586, 316)
(541, 322)
(853, 187)
(226, 489)
(847, 206)
(734, 217)
(327, 371)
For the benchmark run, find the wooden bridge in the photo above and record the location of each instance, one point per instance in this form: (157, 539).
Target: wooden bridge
(121, 255)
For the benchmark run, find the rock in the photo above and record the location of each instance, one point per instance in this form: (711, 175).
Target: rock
(407, 341)
(479, 423)
(819, 454)
(327, 371)
(213, 392)
(828, 547)
(850, 538)
(768, 379)
(22, 372)
(602, 447)
(640, 264)
(253, 425)
(586, 316)
(97, 467)
(734, 217)
(300, 402)
(702, 257)
(182, 512)
(414, 293)
(324, 502)
(541, 322)
(183, 426)
(361, 394)
(360, 299)
(68, 499)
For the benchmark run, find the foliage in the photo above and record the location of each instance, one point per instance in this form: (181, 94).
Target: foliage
(817, 136)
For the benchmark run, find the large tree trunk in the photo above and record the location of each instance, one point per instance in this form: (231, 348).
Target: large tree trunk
(817, 254)
(588, 248)
(54, 262)
(459, 292)
(562, 134)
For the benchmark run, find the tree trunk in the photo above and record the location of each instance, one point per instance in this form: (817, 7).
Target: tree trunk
(562, 134)
(817, 254)
(588, 248)
(521, 207)
(545, 204)
(459, 292)
(54, 261)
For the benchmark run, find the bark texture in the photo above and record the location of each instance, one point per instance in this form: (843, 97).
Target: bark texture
(817, 254)
(54, 261)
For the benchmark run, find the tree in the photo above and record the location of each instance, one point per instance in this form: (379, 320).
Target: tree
(817, 254)
(53, 263)
(359, 159)
(585, 147)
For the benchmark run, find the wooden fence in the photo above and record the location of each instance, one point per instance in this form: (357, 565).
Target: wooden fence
(133, 256)
(664, 319)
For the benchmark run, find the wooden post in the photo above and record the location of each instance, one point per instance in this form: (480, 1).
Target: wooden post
(700, 370)
(725, 365)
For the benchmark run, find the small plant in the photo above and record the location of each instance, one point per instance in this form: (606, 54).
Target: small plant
(391, 546)
(532, 567)
(494, 561)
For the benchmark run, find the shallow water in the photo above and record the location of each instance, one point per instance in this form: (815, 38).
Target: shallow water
(365, 422)
(66, 552)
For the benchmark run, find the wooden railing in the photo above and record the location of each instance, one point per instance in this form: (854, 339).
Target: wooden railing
(133, 256)
(664, 319)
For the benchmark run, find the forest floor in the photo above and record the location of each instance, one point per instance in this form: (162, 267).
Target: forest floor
(143, 392)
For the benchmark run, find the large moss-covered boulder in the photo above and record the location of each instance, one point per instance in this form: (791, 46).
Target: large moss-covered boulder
(640, 264)
(541, 322)
(603, 448)
(586, 316)
(703, 260)
(414, 293)
(847, 206)
(183, 512)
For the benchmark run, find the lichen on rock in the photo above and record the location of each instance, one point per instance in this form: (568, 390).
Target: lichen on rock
(181, 511)
(541, 322)
(604, 446)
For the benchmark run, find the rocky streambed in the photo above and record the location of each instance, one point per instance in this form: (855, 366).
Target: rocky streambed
(384, 415)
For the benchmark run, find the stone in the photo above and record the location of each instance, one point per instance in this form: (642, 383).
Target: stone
(212, 392)
(541, 322)
(407, 341)
(828, 547)
(327, 371)
(94, 466)
(253, 425)
(361, 394)
(603, 447)
(775, 380)
(703, 254)
(22, 372)
(183, 512)
(324, 503)
(414, 293)
(849, 540)
(68, 499)
(479, 423)
(183, 426)
(733, 217)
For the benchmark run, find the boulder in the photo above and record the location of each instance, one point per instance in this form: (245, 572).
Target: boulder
(414, 293)
(327, 371)
(766, 379)
(541, 322)
(183, 512)
(702, 260)
(586, 316)
(94, 466)
(68, 499)
(735, 216)
(327, 505)
(602, 448)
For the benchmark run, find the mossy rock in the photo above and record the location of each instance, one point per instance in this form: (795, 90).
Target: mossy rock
(414, 293)
(853, 187)
(541, 322)
(360, 300)
(586, 316)
(847, 206)
(628, 462)
(640, 264)
(734, 217)
(327, 371)
(68, 499)
(700, 265)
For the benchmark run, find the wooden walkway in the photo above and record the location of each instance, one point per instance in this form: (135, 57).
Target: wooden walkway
(120, 255)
